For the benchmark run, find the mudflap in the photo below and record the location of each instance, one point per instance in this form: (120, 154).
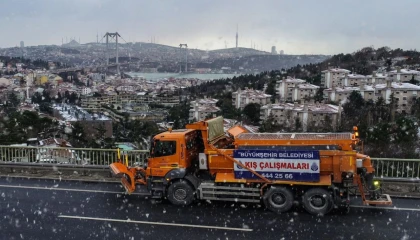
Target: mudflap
(127, 176)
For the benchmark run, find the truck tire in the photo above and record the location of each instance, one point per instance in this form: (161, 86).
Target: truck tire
(278, 199)
(180, 193)
(317, 201)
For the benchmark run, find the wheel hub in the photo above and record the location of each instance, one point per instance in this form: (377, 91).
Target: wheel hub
(317, 201)
(180, 194)
(278, 199)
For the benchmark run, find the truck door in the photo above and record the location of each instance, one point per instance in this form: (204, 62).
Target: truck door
(164, 154)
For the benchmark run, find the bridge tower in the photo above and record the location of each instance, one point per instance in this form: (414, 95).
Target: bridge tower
(112, 36)
(180, 57)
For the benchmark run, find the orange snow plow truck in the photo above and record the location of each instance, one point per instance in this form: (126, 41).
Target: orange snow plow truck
(319, 170)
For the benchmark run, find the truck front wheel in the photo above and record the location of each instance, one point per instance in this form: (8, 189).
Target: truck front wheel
(278, 199)
(180, 193)
(317, 201)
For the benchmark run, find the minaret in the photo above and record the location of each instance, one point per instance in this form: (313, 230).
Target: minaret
(236, 35)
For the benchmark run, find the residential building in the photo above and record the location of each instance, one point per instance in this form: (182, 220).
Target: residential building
(332, 77)
(54, 142)
(403, 75)
(55, 79)
(203, 108)
(404, 93)
(310, 115)
(5, 82)
(41, 79)
(352, 80)
(90, 122)
(94, 103)
(285, 87)
(340, 94)
(304, 91)
(86, 91)
(376, 78)
(241, 98)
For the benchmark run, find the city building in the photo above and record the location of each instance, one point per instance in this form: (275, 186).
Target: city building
(376, 78)
(351, 80)
(90, 122)
(404, 93)
(41, 79)
(86, 91)
(332, 77)
(340, 94)
(273, 50)
(202, 109)
(311, 115)
(94, 103)
(5, 82)
(55, 79)
(403, 75)
(241, 98)
(281, 52)
(22, 44)
(294, 89)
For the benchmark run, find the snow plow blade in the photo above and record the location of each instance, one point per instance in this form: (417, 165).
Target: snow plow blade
(384, 199)
(127, 177)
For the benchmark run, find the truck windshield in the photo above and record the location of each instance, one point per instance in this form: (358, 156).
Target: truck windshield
(164, 148)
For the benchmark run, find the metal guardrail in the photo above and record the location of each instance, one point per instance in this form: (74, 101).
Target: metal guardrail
(397, 168)
(388, 169)
(83, 169)
(69, 156)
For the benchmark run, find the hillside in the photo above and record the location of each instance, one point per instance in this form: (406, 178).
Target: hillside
(259, 63)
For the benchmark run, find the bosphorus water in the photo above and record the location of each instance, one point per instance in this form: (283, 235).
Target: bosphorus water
(202, 76)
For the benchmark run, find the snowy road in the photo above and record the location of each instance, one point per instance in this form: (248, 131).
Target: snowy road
(44, 209)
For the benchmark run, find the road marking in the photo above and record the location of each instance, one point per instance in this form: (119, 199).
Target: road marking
(70, 189)
(156, 223)
(387, 208)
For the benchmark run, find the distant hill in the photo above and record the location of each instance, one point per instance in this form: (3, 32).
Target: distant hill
(165, 58)
(259, 63)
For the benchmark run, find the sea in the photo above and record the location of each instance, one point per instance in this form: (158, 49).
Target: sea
(201, 76)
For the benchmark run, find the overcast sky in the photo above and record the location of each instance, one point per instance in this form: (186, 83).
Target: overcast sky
(296, 26)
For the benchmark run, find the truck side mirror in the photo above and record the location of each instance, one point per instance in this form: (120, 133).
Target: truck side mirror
(152, 147)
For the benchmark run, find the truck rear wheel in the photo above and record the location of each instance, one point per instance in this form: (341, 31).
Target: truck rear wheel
(180, 193)
(278, 199)
(317, 201)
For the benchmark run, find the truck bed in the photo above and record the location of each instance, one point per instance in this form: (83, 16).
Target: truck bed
(292, 136)
(343, 141)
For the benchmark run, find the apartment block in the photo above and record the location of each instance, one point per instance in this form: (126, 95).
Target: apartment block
(403, 75)
(310, 115)
(203, 108)
(285, 87)
(376, 78)
(352, 80)
(241, 98)
(332, 77)
(94, 103)
(90, 122)
(404, 93)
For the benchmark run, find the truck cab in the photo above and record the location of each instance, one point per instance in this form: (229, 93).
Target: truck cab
(173, 155)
